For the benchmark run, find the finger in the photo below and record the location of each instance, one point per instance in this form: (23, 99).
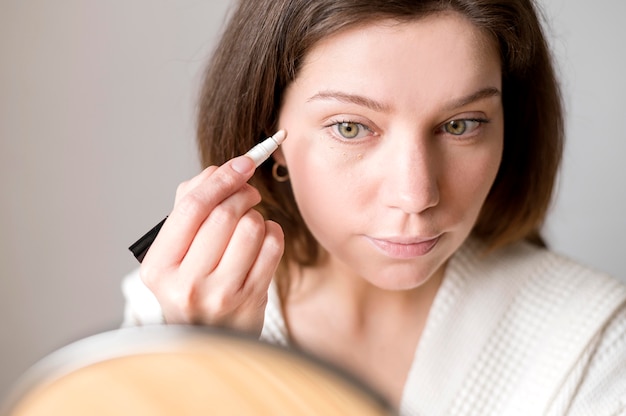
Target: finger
(215, 233)
(186, 186)
(241, 253)
(267, 261)
(250, 298)
(193, 208)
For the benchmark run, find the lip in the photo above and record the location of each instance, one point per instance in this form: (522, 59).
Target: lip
(404, 248)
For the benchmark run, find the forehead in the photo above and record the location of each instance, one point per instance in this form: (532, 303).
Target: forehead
(448, 25)
(442, 48)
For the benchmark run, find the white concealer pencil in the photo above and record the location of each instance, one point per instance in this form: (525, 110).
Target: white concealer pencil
(259, 153)
(262, 151)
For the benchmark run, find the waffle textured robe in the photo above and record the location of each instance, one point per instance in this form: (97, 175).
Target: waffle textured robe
(521, 331)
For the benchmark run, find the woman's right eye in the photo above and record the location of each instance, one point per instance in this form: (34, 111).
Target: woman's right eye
(350, 130)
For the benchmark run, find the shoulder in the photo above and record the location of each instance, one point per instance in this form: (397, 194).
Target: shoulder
(575, 315)
(602, 390)
(537, 330)
(549, 275)
(550, 286)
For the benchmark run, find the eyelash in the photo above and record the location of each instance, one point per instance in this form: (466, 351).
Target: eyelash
(479, 121)
(335, 124)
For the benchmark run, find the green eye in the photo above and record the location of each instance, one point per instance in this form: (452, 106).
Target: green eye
(456, 127)
(348, 130)
(463, 126)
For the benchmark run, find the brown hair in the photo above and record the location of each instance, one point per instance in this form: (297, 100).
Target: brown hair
(265, 43)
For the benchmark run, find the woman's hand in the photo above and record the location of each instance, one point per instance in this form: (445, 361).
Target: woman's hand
(214, 258)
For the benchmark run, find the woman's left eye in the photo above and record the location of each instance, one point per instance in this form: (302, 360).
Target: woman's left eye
(350, 130)
(462, 126)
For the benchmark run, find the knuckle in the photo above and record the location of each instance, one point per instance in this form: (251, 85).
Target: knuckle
(252, 224)
(190, 205)
(223, 214)
(208, 171)
(224, 183)
(275, 237)
(219, 304)
(254, 291)
(149, 274)
(185, 300)
(193, 196)
(181, 189)
(275, 230)
(255, 219)
(253, 194)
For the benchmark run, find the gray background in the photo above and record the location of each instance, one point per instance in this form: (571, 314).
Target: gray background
(97, 126)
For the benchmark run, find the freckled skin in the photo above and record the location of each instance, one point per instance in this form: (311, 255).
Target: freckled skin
(405, 177)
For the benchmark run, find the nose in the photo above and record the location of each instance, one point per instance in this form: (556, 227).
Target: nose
(410, 182)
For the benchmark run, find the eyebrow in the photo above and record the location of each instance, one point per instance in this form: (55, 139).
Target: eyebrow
(477, 96)
(351, 99)
(385, 108)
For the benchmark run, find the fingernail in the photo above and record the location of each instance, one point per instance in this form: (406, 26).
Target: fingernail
(242, 164)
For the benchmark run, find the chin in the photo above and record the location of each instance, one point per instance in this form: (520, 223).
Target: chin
(394, 281)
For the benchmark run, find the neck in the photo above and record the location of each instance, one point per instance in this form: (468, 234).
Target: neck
(347, 321)
(353, 302)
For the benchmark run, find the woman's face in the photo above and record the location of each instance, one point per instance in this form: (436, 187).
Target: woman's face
(395, 138)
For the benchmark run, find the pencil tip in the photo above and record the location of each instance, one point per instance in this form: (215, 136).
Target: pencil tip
(280, 136)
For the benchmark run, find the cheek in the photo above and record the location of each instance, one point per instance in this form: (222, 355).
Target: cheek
(315, 162)
(317, 199)
(318, 178)
(324, 185)
(473, 179)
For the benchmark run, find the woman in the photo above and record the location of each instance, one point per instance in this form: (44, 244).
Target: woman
(396, 231)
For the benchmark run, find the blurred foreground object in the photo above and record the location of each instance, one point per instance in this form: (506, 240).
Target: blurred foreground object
(171, 370)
